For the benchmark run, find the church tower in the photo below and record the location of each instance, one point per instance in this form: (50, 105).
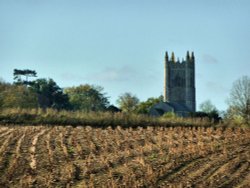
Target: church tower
(179, 81)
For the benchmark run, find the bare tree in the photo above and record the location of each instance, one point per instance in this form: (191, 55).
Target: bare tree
(239, 101)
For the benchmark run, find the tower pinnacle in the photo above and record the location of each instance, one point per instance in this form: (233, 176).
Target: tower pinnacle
(172, 57)
(187, 56)
(166, 57)
(192, 56)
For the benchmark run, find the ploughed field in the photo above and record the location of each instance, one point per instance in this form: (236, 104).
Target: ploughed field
(43, 156)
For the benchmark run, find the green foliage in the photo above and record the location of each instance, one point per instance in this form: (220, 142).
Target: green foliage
(87, 98)
(144, 107)
(128, 102)
(50, 95)
(207, 107)
(17, 96)
(233, 118)
(27, 73)
(209, 111)
(169, 115)
(3, 87)
(43, 93)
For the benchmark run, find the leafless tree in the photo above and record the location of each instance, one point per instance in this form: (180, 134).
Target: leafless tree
(239, 101)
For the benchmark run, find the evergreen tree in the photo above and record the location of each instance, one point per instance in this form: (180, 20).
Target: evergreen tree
(26, 73)
(50, 95)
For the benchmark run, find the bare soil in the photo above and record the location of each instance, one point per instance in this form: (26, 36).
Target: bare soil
(43, 156)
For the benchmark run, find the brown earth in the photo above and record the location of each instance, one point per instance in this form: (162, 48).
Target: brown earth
(43, 156)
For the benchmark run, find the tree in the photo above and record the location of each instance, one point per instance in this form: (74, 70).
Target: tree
(144, 107)
(26, 72)
(212, 116)
(207, 107)
(127, 102)
(50, 95)
(208, 110)
(12, 96)
(3, 87)
(239, 101)
(87, 97)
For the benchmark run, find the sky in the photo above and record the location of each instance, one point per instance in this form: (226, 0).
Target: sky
(120, 44)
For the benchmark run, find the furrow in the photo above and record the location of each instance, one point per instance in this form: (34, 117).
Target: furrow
(63, 146)
(7, 156)
(32, 149)
(183, 175)
(61, 166)
(115, 162)
(169, 173)
(13, 164)
(245, 183)
(44, 170)
(5, 144)
(48, 147)
(238, 176)
(22, 175)
(216, 165)
(5, 131)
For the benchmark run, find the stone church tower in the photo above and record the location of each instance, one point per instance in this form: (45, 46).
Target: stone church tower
(179, 81)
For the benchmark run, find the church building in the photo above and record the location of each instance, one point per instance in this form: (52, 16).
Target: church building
(179, 87)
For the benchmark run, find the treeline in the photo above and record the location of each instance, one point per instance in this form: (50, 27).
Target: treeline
(42, 101)
(45, 93)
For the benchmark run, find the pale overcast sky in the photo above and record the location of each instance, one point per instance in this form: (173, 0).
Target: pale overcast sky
(120, 44)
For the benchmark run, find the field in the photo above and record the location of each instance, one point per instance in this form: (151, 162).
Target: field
(66, 156)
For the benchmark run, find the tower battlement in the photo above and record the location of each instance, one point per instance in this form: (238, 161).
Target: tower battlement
(179, 80)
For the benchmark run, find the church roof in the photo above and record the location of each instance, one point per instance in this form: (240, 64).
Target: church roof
(178, 107)
(163, 107)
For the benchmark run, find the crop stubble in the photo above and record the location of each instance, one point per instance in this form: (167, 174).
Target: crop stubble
(43, 156)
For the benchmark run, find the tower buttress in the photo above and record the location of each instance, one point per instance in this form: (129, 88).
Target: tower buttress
(190, 82)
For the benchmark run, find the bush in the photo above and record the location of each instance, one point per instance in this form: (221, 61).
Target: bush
(95, 119)
(169, 115)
